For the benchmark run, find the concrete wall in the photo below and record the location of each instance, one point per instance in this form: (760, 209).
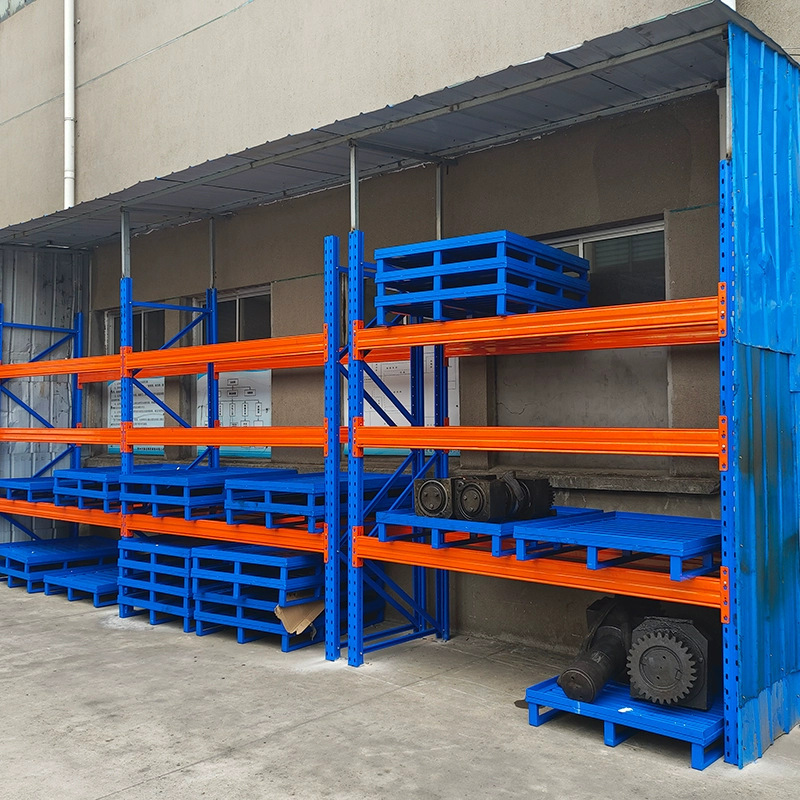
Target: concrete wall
(163, 86)
(660, 164)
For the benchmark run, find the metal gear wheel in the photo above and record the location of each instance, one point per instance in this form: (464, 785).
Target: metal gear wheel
(661, 668)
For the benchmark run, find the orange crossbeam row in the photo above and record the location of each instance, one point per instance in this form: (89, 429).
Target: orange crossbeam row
(240, 355)
(61, 435)
(286, 436)
(703, 591)
(702, 442)
(693, 321)
(64, 366)
(218, 529)
(86, 516)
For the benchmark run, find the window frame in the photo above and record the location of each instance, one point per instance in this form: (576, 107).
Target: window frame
(236, 295)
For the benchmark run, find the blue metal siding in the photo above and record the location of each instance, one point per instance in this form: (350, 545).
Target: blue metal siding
(765, 108)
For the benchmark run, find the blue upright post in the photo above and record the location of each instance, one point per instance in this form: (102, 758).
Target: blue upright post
(441, 418)
(126, 381)
(417, 376)
(77, 390)
(211, 375)
(727, 477)
(333, 513)
(355, 479)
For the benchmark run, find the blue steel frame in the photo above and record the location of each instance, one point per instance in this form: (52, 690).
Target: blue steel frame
(201, 314)
(333, 411)
(422, 617)
(75, 337)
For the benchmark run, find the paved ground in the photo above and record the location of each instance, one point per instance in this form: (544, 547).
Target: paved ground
(95, 707)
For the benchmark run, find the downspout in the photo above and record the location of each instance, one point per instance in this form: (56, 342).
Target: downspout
(69, 103)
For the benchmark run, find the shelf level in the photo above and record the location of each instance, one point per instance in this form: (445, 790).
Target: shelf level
(286, 351)
(701, 591)
(290, 538)
(87, 366)
(671, 322)
(702, 442)
(61, 435)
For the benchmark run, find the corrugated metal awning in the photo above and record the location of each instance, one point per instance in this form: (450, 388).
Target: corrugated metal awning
(675, 56)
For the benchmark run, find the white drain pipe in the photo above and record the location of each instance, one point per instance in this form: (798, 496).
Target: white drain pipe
(69, 103)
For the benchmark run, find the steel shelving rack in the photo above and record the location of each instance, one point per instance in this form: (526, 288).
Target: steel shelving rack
(697, 321)
(311, 350)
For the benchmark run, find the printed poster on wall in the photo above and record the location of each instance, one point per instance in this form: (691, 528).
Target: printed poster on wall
(146, 413)
(245, 401)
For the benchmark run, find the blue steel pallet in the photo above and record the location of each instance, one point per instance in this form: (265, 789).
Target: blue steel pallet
(251, 624)
(296, 495)
(33, 490)
(253, 618)
(499, 534)
(98, 583)
(283, 572)
(196, 493)
(25, 563)
(154, 578)
(622, 716)
(635, 535)
(92, 487)
(485, 274)
(160, 606)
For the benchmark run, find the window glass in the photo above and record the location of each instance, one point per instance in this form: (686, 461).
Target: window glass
(226, 321)
(153, 335)
(254, 317)
(626, 269)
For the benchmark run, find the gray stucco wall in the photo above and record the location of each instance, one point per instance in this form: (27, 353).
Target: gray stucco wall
(662, 163)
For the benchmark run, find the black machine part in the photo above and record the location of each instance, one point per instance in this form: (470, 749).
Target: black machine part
(603, 656)
(668, 663)
(486, 498)
(433, 497)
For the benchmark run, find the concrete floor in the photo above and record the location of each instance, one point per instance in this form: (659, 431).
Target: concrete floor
(95, 707)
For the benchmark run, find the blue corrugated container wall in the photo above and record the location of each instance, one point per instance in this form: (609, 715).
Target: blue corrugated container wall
(765, 162)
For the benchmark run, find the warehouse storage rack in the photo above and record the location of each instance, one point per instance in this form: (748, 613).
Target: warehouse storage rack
(311, 350)
(71, 339)
(401, 537)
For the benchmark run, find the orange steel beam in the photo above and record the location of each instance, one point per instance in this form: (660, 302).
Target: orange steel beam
(307, 436)
(702, 591)
(704, 442)
(217, 529)
(87, 516)
(692, 321)
(62, 366)
(61, 435)
(238, 355)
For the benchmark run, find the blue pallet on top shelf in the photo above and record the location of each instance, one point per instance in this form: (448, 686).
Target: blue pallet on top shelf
(33, 490)
(25, 563)
(635, 535)
(485, 274)
(499, 534)
(622, 716)
(98, 583)
(154, 579)
(196, 493)
(93, 487)
(296, 495)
